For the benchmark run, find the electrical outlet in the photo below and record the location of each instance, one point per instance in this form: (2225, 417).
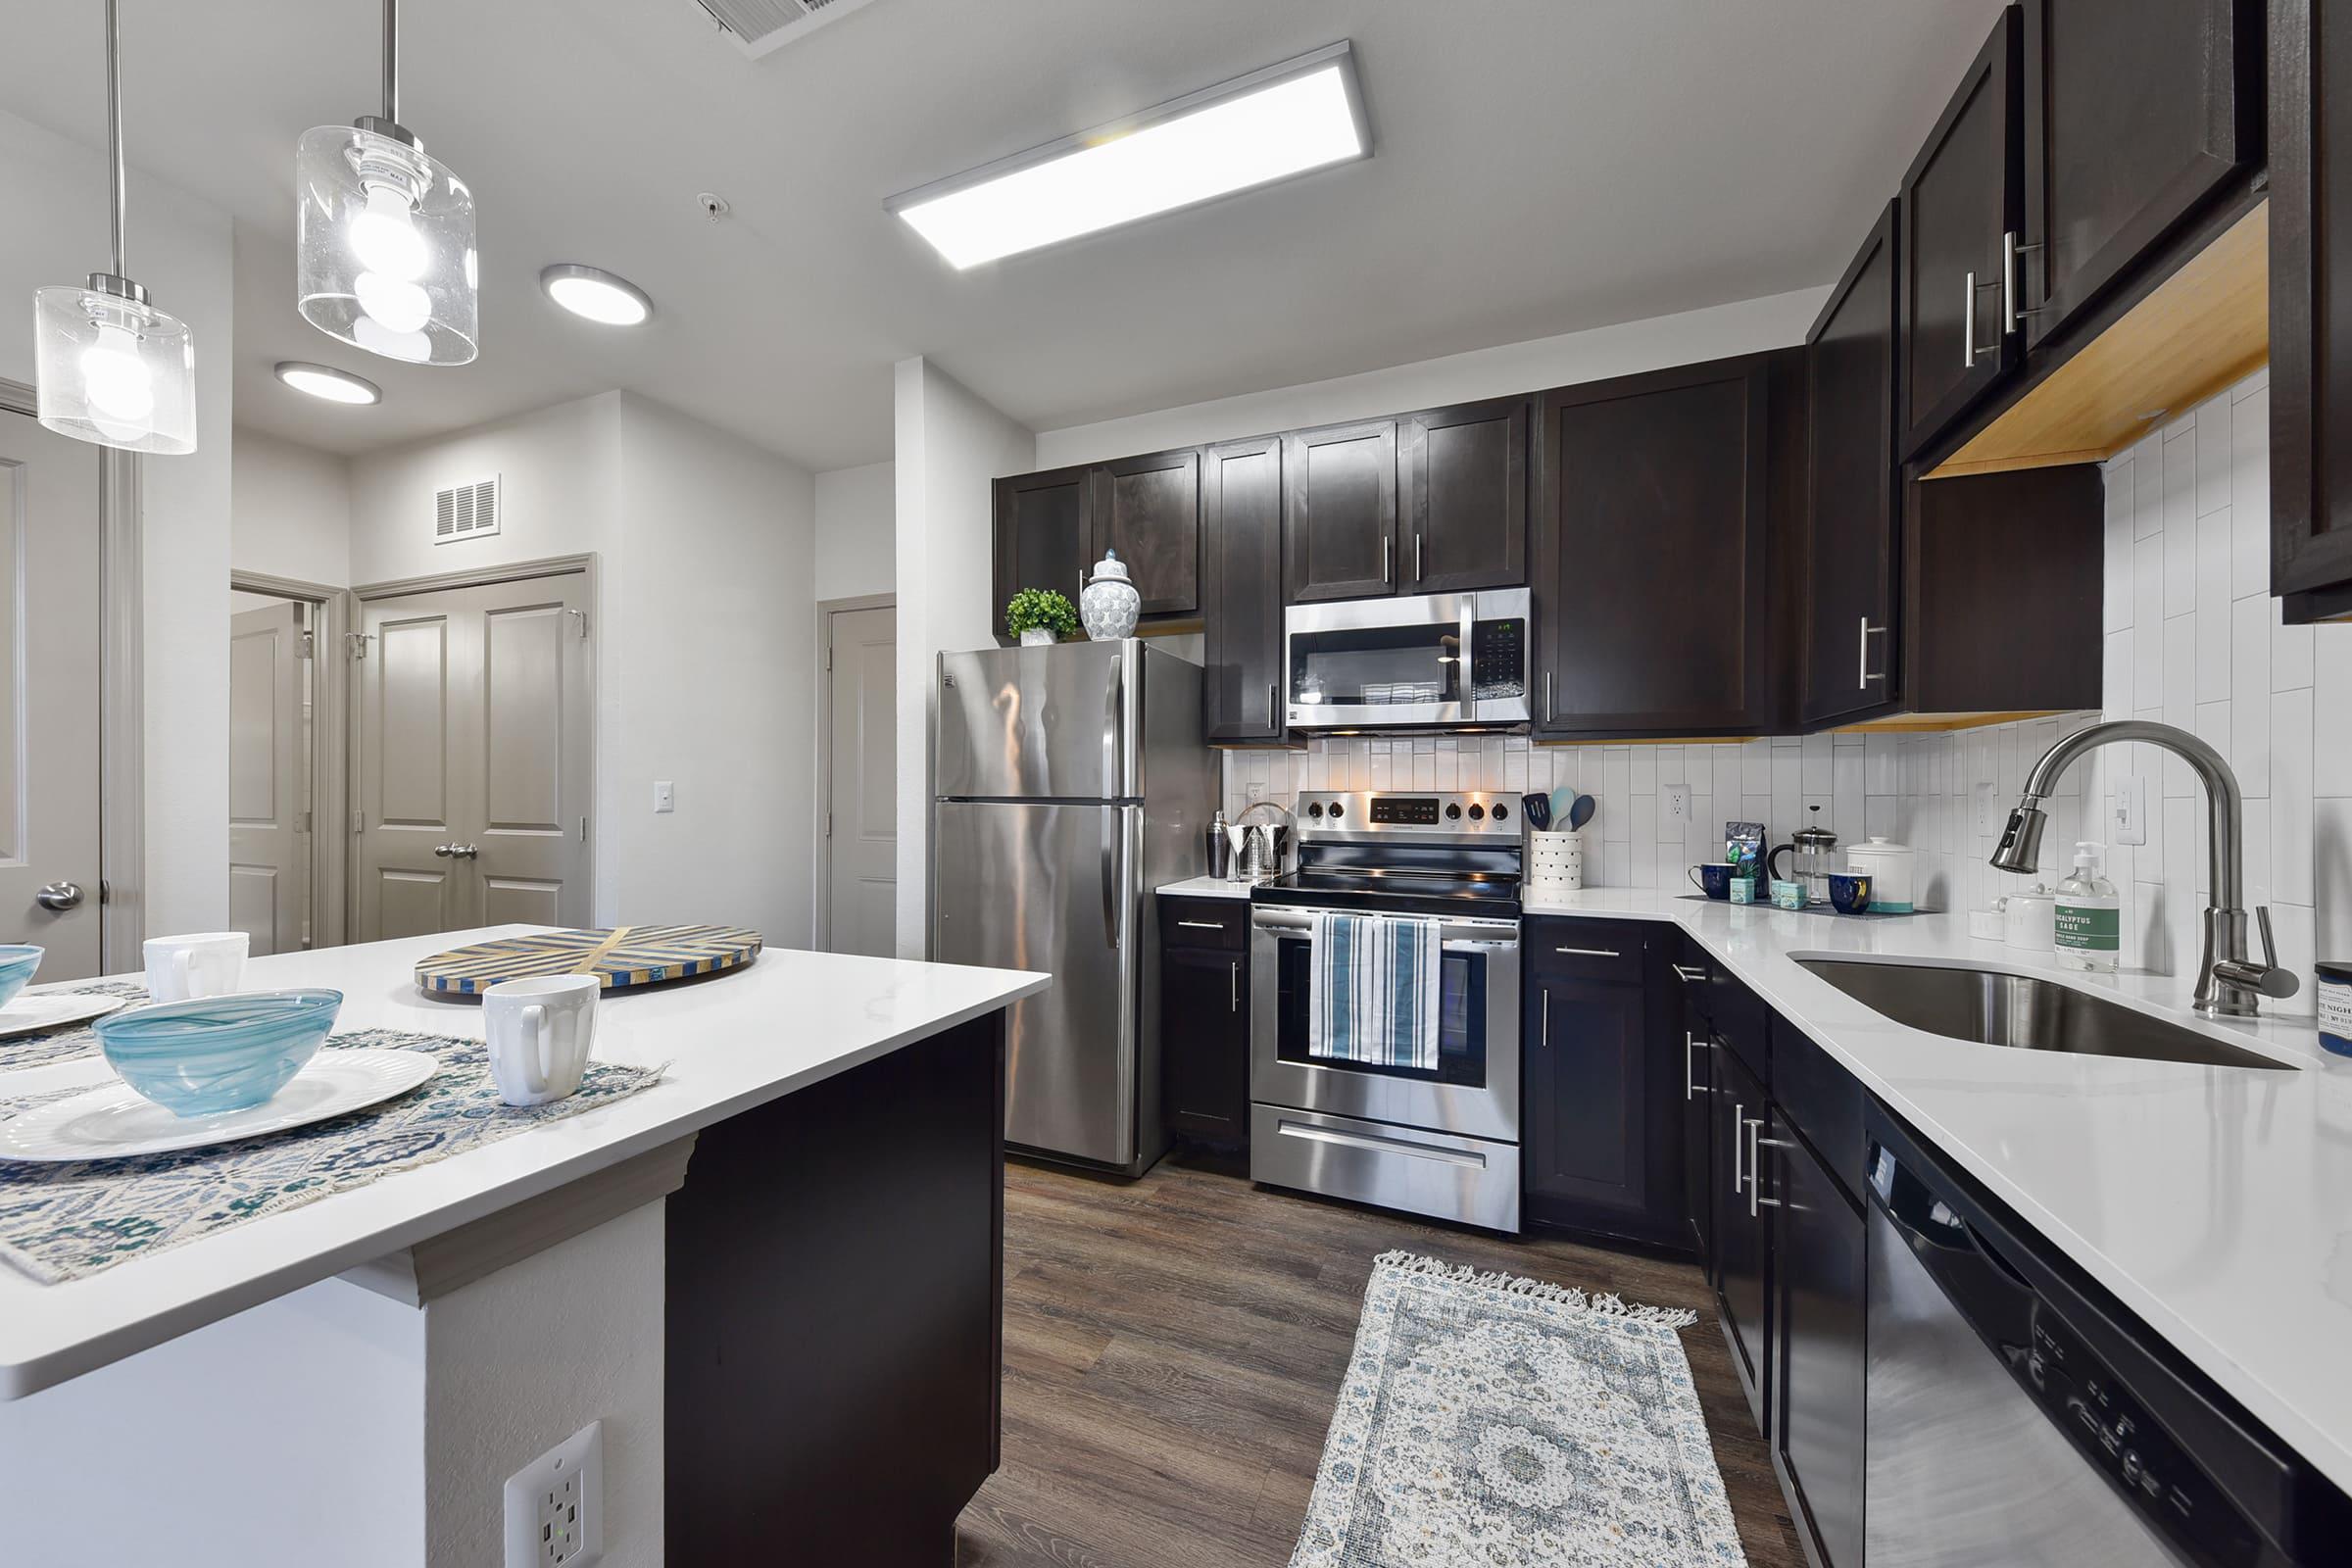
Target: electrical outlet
(1254, 788)
(554, 1505)
(2130, 808)
(1991, 818)
(665, 796)
(1678, 803)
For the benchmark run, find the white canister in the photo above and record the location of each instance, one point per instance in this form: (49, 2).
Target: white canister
(2029, 920)
(1110, 601)
(1555, 864)
(1890, 867)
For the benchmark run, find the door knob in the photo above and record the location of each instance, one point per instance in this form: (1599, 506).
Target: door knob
(445, 851)
(464, 851)
(59, 897)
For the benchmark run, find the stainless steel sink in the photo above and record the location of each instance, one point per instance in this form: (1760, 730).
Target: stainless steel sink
(2030, 1014)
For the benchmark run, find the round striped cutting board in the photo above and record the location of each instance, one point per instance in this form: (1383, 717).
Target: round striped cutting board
(624, 956)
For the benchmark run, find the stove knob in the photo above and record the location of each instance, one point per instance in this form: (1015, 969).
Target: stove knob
(1453, 811)
(1338, 808)
(1501, 811)
(1314, 808)
(2132, 1466)
(1478, 813)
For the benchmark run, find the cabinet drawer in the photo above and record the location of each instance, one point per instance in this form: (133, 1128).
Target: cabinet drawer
(1219, 924)
(1584, 949)
(1823, 1101)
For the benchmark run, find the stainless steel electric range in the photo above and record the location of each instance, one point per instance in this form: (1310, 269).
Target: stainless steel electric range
(1442, 1143)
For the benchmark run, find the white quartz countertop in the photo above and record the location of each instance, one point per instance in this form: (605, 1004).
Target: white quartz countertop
(2215, 1203)
(1207, 887)
(788, 1019)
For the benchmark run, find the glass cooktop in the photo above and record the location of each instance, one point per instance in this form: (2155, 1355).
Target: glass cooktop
(1382, 889)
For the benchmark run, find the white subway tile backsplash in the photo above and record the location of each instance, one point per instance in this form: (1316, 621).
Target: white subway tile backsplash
(2213, 455)
(2147, 616)
(2291, 654)
(2332, 711)
(2292, 750)
(2250, 491)
(2146, 480)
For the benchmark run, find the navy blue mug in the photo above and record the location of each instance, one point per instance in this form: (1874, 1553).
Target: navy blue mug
(1849, 894)
(1714, 879)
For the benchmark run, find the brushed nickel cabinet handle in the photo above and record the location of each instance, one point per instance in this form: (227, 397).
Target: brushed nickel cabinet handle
(1863, 673)
(1591, 953)
(1968, 330)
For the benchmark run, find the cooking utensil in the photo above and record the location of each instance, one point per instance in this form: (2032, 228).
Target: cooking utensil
(1536, 812)
(1580, 812)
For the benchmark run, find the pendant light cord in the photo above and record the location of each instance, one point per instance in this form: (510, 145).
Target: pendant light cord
(113, 126)
(391, 60)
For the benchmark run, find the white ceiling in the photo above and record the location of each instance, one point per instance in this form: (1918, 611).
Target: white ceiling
(1539, 167)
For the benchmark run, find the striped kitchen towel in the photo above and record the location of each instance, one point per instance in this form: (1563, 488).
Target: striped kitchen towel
(1376, 991)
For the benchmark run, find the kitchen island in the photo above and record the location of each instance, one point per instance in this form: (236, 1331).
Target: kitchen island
(774, 1276)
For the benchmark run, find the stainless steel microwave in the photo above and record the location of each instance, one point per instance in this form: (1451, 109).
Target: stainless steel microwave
(1430, 661)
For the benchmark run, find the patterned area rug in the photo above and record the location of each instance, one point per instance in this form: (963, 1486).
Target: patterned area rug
(1494, 1422)
(61, 1222)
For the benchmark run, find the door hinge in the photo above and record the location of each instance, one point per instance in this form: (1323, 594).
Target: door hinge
(355, 644)
(583, 615)
(583, 830)
(359, 822)
(309, 648)
(306, 821)
(828, 824)
(828, 655)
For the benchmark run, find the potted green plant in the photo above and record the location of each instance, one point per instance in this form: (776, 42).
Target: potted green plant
(1038, 617)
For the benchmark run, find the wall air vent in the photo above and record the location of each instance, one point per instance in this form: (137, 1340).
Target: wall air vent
(761, 27)
(465, 511)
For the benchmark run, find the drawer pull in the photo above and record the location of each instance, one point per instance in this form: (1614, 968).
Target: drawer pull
(1202, 925)
(1591, 953)
(1693, 976)
(1380, 1146)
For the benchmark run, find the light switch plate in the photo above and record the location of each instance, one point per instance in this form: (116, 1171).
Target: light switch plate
(665, 794)
(555, 1505)
(2130, 808)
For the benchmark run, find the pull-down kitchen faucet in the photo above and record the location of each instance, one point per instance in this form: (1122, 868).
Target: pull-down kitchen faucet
(2230, 985)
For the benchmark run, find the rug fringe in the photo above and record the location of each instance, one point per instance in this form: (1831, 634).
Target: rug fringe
(1608, 1305)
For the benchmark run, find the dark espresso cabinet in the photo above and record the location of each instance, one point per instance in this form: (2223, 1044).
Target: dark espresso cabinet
(1743, 1247)
(1853, 498)
(1961, 207)
(1339, 511)
(2310, 309)
(1149, 509)
(1043, 528)
(1241, 590)
(1651, 603)
(1204, 1017)
(2137, 111)
(1819, 1289)
(1462, 488)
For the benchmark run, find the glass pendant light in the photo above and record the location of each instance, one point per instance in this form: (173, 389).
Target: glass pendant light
(385, 260)
(110, 367)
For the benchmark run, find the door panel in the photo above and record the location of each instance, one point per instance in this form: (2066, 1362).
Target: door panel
(1149, 509)
(1339, 516)
(1241, 590)
(1043, 528)
(1464, 479)
(1035, 723)
(474, 737)
(862, 799)
(269, 832)
(1045, 887)
(1817, 1256)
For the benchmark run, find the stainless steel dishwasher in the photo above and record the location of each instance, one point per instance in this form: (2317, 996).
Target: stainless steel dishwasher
(2016, 1415)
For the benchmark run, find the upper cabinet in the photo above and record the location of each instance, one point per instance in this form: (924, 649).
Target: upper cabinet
(1650, 596)
(1961, 205)
(2311, 305)
(1853, 511)
(1339, 511)
(1149, 509)
(1241, 590)
(1462, 475)
(1043, 524)
(2137, 111)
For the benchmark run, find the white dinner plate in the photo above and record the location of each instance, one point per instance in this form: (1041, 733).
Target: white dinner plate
(28, 1013)
(111, 1122)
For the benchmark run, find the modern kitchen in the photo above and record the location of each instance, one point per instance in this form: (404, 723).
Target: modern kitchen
(1467, 788)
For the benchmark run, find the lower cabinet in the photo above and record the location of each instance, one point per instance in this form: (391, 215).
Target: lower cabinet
(1819, 1289)
(1696, 1113)
(1742, 1256)
(1204, 1021)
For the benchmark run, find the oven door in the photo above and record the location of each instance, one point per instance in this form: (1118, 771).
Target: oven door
(1475, 1089)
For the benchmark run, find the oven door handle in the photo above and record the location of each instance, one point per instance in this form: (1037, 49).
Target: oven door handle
(1484, 934)
(1373, 1144)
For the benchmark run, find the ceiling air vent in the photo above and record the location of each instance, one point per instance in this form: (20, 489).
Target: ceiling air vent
(465, 511)
(761, 27)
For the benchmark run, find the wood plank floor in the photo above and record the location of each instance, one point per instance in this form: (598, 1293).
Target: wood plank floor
(1173, 1347)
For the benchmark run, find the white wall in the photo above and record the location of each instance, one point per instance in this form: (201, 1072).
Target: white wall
(54, 193)
(949, 446)
(857, 531)
(289, 509)
(705, 652)
(1745, 327)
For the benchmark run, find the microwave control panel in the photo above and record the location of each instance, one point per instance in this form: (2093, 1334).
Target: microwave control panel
(1498, 658)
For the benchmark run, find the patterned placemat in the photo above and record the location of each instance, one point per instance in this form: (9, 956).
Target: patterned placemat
(75, 1040)
(621, 955)
(63, 1222)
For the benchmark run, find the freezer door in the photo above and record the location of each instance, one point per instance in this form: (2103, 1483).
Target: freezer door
(1033, 723)
(1051, 887)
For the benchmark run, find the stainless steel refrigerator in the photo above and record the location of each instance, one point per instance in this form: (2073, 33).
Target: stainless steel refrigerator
(1069, 782)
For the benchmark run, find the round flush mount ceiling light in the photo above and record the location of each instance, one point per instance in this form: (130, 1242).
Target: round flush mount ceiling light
(326, 381)
(595, 294)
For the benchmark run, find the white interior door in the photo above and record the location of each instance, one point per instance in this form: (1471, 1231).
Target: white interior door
(49, 621)
(269, 825)
(862, 800)
(474, 758)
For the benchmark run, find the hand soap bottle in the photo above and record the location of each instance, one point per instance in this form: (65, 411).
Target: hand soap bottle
(2089, 915)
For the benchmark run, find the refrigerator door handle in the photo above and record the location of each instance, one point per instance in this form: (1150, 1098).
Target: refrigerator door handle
(1114, 831)
(1113, 740)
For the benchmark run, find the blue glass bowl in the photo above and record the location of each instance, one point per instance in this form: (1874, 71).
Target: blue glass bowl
(197, 1058)
(16, 967)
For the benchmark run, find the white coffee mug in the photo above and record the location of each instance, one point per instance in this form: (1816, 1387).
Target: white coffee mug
(210, 964)
(539, 1033)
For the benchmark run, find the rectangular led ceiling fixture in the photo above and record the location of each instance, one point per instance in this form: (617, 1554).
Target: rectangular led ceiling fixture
(1300, 115)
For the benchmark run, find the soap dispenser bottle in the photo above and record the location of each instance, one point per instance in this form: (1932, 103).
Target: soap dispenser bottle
(2089, 915)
